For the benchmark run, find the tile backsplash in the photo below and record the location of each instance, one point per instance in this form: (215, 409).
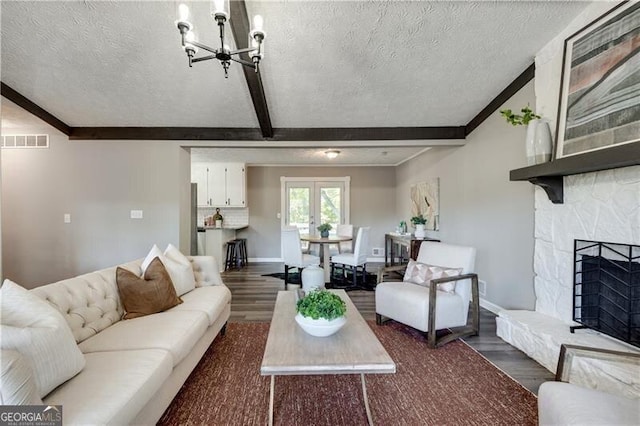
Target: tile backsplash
(232, 217)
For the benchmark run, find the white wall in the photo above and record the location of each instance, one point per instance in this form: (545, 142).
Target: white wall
(480, 207)
(601, 206)
(98, 183)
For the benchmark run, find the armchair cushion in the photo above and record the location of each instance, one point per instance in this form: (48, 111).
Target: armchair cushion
(422, 274)
(409, 304)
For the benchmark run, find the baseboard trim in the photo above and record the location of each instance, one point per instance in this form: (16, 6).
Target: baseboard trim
(490, 306)
(279, 259)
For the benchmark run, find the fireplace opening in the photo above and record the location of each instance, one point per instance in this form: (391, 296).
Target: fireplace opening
(606, 288)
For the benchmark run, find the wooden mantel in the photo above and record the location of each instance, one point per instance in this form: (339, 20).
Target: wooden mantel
(549, 176)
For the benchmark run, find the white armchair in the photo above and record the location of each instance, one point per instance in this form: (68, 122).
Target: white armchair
(563, 403)
(427, 307)
(292, 255)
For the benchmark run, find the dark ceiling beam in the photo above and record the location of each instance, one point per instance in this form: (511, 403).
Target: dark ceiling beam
(252, 134)
(34, 109)
(368, 133)
(240, 28)
(517, 84)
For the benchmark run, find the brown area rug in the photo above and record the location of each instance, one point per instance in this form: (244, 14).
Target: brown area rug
(451, 385)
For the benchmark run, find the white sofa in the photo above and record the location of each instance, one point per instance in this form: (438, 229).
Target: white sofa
(134, 368)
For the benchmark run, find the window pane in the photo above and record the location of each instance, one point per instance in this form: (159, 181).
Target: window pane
(299, 209)
(330, 202)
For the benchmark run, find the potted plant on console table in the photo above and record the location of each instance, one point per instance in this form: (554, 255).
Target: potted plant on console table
(419, 222)
(321, 313)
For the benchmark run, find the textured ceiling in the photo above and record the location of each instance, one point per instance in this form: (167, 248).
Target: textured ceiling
(327, 64)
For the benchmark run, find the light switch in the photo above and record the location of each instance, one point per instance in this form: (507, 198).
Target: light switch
(136, 214)
(67, 218)
(278, 215)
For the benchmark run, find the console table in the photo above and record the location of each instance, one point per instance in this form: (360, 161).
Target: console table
(409, 241)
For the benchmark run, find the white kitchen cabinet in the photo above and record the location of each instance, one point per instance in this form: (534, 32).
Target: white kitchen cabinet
(199, 175)
(236, 185)
(217, 179)
(220, 184)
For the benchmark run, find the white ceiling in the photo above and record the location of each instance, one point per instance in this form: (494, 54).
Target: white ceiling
(328, 63)
(349, 156)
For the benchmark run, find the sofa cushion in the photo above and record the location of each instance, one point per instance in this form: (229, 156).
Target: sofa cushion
(179, 268)
(173, 331)
(18, 384)
(562, 403)
(89, 303)
(36, 329)
(148, 295)
(210, 300)
(113, 387)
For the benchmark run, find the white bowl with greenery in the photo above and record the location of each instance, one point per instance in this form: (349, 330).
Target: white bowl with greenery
(321, 313)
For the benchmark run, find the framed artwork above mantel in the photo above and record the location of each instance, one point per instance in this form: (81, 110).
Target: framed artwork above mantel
(599, 105)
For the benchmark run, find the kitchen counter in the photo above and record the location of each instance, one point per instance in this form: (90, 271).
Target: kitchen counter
(215, 241)
(232, 227)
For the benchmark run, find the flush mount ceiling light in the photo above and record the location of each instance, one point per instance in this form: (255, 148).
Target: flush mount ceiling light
(220, 13)
(332, 153)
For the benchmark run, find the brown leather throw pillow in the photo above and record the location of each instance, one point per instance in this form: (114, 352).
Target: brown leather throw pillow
(149, 294)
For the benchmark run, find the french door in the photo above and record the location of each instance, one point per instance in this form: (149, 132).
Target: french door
(313, 201)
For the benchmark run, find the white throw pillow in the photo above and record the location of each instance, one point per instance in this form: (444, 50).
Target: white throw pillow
(18, 384)
(39, 332)
(177, 265)
(422, 274)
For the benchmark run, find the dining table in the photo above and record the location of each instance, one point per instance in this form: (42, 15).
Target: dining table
(325, 255)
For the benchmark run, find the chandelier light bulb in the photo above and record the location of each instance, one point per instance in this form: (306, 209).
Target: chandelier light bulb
(331, 154)
(183, 13)
(220, 8)
(258, 23)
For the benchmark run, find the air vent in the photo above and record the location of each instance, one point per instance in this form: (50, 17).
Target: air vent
(25, 141)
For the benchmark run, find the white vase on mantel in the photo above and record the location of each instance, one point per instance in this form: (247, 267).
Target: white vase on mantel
(538, 142)
(420, 231)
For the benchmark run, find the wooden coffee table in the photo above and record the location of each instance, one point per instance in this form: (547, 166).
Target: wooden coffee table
(352, 350)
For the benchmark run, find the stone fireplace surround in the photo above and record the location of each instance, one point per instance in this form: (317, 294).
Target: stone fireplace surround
(600, 206)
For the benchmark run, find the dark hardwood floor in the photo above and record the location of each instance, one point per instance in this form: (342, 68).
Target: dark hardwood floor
(254, 297)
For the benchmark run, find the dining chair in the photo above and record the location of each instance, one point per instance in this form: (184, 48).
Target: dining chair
(343, 230)
(292, 255)
(355, 262)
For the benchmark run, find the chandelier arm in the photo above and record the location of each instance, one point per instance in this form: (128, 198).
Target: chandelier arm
(247, 50)
(245, 63)
(204, 47)
(203, 58)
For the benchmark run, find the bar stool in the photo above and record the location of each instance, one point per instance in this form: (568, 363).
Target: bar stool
(243, 259)
(233, 251)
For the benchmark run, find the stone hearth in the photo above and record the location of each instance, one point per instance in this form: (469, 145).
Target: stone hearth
(601, 206)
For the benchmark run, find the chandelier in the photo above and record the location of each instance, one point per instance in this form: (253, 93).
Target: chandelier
(220, 13)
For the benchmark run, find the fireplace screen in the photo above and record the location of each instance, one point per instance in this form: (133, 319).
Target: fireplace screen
(606, 290)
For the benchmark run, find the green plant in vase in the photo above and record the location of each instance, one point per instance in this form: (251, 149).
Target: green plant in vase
(419, 222)
(324, 229)
(517, 119)
(321, 313)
